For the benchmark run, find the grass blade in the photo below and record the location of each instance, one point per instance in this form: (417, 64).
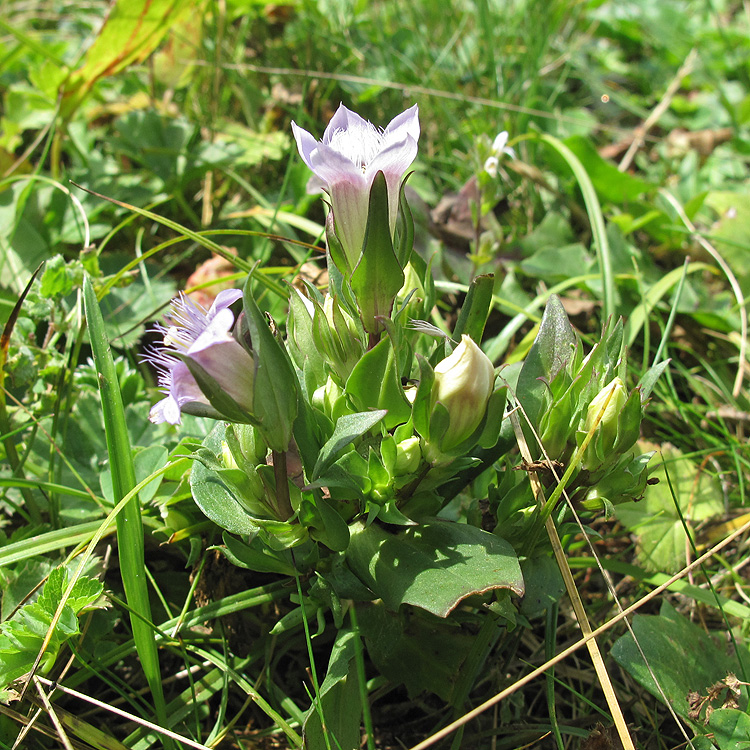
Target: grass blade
(596, 218)
(129, 522)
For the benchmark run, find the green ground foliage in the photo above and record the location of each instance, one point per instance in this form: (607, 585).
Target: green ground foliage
(340, 553)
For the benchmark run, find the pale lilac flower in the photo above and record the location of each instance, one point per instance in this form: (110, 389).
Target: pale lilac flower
(205, 337)
(347, 158)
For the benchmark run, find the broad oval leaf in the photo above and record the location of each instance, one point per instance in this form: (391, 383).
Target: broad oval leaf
(433, 566)
(213, 497)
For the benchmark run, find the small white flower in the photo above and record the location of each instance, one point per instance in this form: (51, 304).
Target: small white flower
(491, 165)
(499, 148)
(500, 145)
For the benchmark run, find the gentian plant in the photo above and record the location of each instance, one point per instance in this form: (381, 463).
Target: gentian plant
(370, 453)
(370, 229)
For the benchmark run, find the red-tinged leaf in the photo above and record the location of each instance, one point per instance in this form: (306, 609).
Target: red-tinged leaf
(131, 31)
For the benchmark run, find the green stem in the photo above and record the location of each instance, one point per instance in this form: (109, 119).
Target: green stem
(362, 679)
(283, 502)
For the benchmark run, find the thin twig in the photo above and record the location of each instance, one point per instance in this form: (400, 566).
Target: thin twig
(578, 644)
(124, 714)
(62, 736)
(640, 132)
(412, 90)
(560, 489)
(570, 586)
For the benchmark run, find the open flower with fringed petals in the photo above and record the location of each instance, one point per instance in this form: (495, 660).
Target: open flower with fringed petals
(205, 337)
(347, 158)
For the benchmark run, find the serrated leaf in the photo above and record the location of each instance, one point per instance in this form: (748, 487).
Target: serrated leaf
(57, 279)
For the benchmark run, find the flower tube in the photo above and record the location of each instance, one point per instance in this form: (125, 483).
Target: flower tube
(204, 337)
(344, 164)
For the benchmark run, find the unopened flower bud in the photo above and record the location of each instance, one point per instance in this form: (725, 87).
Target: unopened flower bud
(330, 399)
(614, 396)
(243, 480)
(414, 286)
(463, 385)
(408, 456)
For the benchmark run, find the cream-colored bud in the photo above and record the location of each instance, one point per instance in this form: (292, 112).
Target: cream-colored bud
(464, 382)
(608, 423)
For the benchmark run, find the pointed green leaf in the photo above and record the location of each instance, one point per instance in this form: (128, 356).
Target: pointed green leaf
(348, 428)
(404, 227)
(129, 521)
(276, 387)
(374, 384)
(213, 496)
(258, 557)
(476, 308)
(378, 276)
(422, 406)
(300, 336)
(648, 381)
(333, 720)
(552, 348)
(336, 250)
(328, 526)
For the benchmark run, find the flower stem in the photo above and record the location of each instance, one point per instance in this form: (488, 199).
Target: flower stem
(283, 503)
(372, 340)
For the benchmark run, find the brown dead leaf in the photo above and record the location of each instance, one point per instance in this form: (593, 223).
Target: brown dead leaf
(212, 270)
(602, 738)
